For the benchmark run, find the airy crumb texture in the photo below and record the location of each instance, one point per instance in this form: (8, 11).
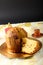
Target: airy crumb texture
(30, 46)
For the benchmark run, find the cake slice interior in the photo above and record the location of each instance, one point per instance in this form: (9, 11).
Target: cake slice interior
(30, 45)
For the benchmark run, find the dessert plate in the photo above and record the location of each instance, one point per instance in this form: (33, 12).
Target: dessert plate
(4, 51)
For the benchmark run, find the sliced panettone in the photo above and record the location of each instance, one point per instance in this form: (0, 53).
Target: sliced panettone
(30, 45)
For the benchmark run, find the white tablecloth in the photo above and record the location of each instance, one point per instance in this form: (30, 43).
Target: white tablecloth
(37, 59)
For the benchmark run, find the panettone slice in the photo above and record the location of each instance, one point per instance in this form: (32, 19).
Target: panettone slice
(30, 45)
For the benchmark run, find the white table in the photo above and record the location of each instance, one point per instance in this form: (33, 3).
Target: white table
(37, 59)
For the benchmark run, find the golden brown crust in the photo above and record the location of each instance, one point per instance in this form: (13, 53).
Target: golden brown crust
(22, 32)
(13, 38)
(17, 44)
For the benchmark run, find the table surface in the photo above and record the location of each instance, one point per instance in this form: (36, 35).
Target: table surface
(37, 59)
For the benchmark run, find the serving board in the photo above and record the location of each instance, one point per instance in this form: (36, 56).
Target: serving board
(4, 51)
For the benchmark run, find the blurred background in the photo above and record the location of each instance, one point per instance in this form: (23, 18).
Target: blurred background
(16, 11)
